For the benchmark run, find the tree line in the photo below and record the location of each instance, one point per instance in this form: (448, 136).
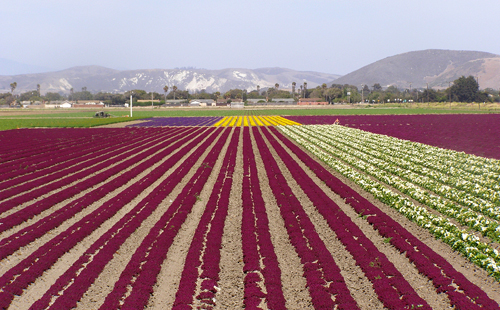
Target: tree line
(463, 89)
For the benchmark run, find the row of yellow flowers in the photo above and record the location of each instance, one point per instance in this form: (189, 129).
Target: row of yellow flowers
(231, 121)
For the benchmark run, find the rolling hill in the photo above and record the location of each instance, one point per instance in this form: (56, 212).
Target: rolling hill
(435, 67)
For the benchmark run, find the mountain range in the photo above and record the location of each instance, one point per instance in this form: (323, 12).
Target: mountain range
(96, 78)
(433, 68)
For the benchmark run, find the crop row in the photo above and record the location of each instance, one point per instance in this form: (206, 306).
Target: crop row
(444, 277)
(77, 186)
(392, 289)
(84, 164)
(460, 240)
(69, 154)
(178, 121)
(386, 168)
(42, 226)
(245, 121)
(471, 133)
(26, 142)
(203, 258)
(256, 239)
(25, 272)
(133, 288)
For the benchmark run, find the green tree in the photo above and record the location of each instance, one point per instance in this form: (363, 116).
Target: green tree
(52, 96)
(377, 87)
(465, 89)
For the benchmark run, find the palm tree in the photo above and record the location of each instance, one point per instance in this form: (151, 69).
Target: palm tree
(174, 89)
(38, 89)
(276, 86)
(258, 90)
(305, 89)
(293, 89)
(165, 90)
(323, 87)
(71, 93)
(13, 87)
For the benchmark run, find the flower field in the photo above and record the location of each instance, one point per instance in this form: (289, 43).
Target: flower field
(470, 133)
(178, 121)
(229, 121)
(244, 212)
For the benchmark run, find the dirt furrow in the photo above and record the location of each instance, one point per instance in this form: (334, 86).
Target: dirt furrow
(169, 277)
(36, 290)
(104, 284)
(293, 282)
(231, 273)
(33, 246)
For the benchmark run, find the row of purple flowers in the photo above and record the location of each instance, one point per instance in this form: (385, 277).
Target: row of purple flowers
(133, 288)
(178, 121)
(256, 239)
(19, 277)
(204, 251)
(30, 150)
(58, 178)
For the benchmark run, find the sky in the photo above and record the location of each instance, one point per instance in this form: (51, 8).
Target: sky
(330, 36)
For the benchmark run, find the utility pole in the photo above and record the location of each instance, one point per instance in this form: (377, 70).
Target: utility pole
(131, 103)
(362, 101)
(449, 86)
(428, 103)
(411, 96)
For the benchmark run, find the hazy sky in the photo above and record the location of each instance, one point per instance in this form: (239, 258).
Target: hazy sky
(319, 35)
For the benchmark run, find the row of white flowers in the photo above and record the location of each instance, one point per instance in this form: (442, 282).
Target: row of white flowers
(481, 167)
(372, 166)
(410, 171)
(427, 160)
(461, 240)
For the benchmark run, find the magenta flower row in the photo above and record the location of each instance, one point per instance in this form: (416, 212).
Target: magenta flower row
(16, 279)
(256, 239)
(63, 174)
(322, 274)
(41, 164)
(141, 272)
(43, 204)
(204, 251)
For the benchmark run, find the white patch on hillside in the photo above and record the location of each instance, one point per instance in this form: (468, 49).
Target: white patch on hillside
(179, 77)
(64, 84)
(200, 82)
(239, 75)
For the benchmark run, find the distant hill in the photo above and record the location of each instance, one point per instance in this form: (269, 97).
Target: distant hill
(9, 67)
(97, 78)
(436, 67)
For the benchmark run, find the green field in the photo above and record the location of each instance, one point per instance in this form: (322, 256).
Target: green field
(31, 118)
